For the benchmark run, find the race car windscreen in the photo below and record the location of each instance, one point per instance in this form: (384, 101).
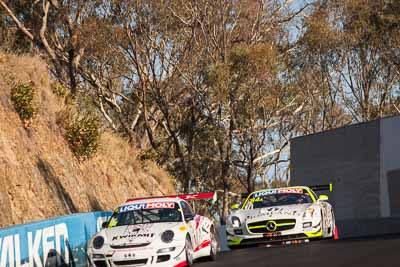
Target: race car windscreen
(156, 212)
(274, 197)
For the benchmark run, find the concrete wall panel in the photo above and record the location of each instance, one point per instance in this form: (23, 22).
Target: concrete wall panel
(348, 157)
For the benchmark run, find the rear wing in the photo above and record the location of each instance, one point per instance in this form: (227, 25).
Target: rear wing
(187, 197)
(323, 187)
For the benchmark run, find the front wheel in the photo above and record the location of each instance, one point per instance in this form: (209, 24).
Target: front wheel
(327, 226)
(333, 226)
(324, 227)
(213, 245)
(189, 252)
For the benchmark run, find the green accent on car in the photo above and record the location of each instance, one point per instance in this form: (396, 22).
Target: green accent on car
(330, 187)
(314, 234)
(234, 242)
(245, 202)
(258, 227)
(311, 194)
(285, 224)
(323, 197)
(277, 225)
(235, 206)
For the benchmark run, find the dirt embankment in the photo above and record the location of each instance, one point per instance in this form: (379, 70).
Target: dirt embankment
(40, 177)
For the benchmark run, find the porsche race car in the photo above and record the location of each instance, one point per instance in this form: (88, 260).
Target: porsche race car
(161, 231)
(281, 215)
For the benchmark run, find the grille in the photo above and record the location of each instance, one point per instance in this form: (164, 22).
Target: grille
(163, 258)
(281, 225)
(272, 239)
(138, 262)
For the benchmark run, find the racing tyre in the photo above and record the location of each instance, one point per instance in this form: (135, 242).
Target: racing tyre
(327, 230)
(189, 252)
(324, 227)
(213, 245)
(332, 227)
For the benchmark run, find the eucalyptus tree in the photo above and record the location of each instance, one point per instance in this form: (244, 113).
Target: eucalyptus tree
(345, 63)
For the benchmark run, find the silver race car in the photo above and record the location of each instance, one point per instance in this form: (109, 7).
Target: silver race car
(161, 231)
(281, 215)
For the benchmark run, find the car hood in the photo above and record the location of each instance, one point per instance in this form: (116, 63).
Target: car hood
(274, 212)
(140, 234)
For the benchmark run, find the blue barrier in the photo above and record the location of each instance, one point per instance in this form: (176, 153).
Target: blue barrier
(59, 241)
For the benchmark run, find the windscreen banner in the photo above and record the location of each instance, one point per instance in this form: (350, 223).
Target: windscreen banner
(57, 242)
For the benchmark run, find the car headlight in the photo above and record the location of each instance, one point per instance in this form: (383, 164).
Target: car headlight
(235, 221)
(308, 214)
(167, 236)
(98, 242)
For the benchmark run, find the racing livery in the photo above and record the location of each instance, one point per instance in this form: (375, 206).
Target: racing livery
(161, 231)
(281, 214)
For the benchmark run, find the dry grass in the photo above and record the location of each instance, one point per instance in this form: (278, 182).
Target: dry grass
(40, 177)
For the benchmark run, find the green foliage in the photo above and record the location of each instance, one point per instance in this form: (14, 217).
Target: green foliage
(160, 154)
(148, 154)
(59, 89)
(22, 96)
(83, 135)
(239, 59)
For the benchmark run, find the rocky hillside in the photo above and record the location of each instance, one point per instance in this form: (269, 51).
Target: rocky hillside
(40, 177)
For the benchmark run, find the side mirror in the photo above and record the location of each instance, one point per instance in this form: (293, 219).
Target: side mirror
(323, 197)
(235, 206)
(189, 217)
(104, 225)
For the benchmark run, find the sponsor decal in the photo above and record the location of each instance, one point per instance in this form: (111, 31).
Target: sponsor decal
(275, 211)
(135, 232)
(132, 236)
(197, 219)
(278, 191)
(204, 244)
(181, 264)
(44, 242)
(273, 234)
(150, 205)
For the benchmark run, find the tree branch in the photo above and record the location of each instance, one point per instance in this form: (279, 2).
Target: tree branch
(50, 51)
(16, 20)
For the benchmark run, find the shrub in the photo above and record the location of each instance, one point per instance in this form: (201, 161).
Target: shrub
(22, 96)
(83, 135)
(148, 154)
(59, 89)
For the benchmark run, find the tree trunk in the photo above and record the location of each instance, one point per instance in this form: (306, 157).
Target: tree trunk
(225, 202)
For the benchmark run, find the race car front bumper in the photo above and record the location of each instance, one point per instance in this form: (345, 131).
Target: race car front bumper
(126, 257)
(273, 237)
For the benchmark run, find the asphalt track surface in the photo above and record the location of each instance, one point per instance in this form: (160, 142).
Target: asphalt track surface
(373, 252)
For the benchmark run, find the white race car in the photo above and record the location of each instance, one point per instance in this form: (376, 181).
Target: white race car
(161, 231)
(281, 215)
